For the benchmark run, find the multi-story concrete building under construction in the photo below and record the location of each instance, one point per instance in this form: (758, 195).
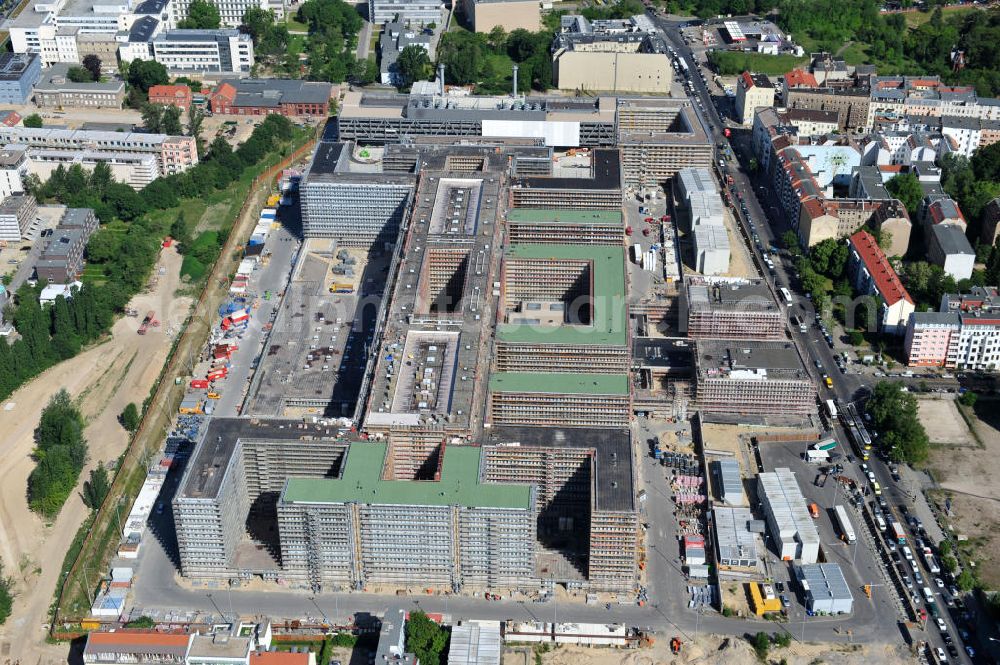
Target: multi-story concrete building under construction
(335, 513)
(356, 209)
(730, 309)
(658, 138)
(752, 378)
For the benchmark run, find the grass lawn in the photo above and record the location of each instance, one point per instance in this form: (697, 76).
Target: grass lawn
(916, 19)
(294, 25)
(296, 44)
(855, 54)
(734, 62)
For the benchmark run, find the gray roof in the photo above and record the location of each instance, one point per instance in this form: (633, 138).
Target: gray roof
(272, 92)
(826, 580)
(935, 318)
(183, 35)
(143, 29)
(150, 7)
(55, 79)
(951, 239)
(76, 217)
(14, 65)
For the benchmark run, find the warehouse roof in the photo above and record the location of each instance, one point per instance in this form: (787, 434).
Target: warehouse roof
(361, 482)
(559, 384)
(608, 317)
(561, 216)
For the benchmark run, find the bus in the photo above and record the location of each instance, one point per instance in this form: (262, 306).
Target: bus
(787, 295)
(846, 530)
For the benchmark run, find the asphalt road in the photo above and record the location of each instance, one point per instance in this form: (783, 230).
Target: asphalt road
(764, 212)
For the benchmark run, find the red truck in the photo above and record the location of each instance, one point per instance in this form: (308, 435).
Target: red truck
(199, 383)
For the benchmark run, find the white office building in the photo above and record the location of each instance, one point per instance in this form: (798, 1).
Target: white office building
(230, 11)
(225, 51)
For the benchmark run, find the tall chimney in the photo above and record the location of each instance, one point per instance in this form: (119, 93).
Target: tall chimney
(441, 79)
(514, 92)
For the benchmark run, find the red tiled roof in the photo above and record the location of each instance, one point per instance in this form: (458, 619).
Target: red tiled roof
(278, 658)
(799, 78)
(150, 638)
(815, 207)
(886, 280)
(890, 168)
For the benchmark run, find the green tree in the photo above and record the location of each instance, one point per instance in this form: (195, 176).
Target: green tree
(60, 454)
(171, 120)
(968, 398)
(790, 241)
(130, 417)
(783, 640)
(414, 64)
(761, 645)
(906, 188)
(202, 15)
(425, 638)
(93, 65)
(143, 622)
(34, 121)
(6, 596)
(894, 414)
(144, 74)
(96, 489)
(497, 38)
(966, 580)
(80, 75)
(256, 22)
(462, 54)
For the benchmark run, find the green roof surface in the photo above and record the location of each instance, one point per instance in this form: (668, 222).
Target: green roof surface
(540, 215)
(569, 384)
(361, 482)
(609, 321)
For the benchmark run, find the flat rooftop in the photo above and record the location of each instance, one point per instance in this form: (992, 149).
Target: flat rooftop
(212, 453)
(362, 482)
(546, 216)
(609, 324)
(559, 384)
(606, 173)
(612, 448)
(736, 359)
(753, 296)
(656, 353)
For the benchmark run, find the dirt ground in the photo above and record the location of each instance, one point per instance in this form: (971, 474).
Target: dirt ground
(966, 476)
(943, 422)
(102, 381)
(716, 650)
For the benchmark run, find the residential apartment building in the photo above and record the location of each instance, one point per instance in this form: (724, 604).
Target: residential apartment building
(793, 530)
(265, 96)
(16, 214)
(55, 90)
(753, 91)
(420, 12)
(173, 154)
(730, 309)
(484, 15)
(963, 334)
(19, 72)
(948, 247)
(871, 274)
(850, 104)
(134, 169)
(62, 259)
(357, 209)
(752, 378)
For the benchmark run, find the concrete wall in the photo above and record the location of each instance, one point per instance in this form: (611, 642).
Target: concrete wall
(621, 72)
(509, 15)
